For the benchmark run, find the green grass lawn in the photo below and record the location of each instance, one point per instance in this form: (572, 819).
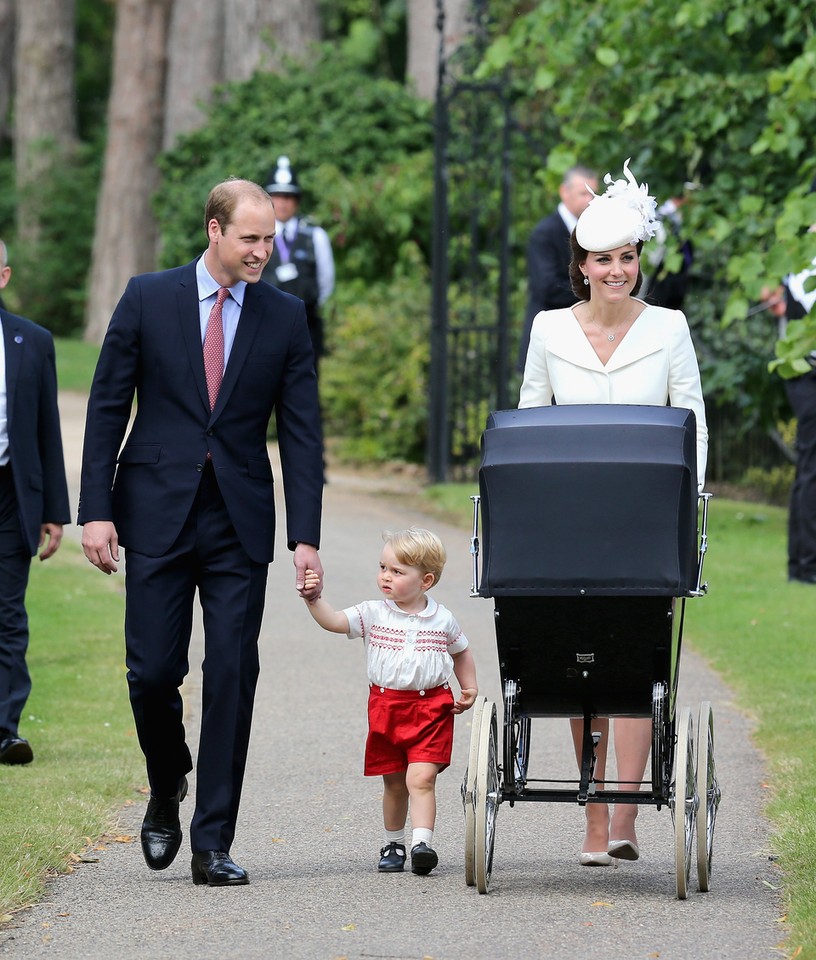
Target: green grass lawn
(87, 761)
(76, 361)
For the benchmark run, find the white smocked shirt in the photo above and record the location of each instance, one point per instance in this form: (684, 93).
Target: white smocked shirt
(406, 651)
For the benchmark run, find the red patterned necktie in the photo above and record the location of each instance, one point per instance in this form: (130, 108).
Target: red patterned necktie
(214, 347)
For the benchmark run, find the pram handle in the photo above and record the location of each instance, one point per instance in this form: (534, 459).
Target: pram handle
(474, 547)
(702, 588)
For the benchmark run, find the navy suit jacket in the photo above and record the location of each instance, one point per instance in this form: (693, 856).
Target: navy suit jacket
(35, 439)
(548, 285)
(153, 349)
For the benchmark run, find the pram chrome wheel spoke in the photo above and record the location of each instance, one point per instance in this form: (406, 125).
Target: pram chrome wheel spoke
(684, 806)
(469, 792)
(516, 742)
(708, 795)
(661, 729)
(488, 796)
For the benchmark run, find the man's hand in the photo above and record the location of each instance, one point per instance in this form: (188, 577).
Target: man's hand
(306, 558)
(100, 542)
(51, 532)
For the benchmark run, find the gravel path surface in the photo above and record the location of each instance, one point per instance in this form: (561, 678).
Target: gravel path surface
(310, 825)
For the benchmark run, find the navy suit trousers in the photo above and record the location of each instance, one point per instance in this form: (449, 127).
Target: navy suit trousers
(15, 564)
(207, 557)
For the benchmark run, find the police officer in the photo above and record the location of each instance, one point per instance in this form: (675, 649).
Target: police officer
(301, 263)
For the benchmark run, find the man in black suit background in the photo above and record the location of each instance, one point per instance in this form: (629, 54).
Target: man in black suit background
(190, 496)
(33, 499)
(548, 251)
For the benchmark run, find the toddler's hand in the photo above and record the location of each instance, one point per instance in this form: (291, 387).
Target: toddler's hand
(310, 581)
(466, 700)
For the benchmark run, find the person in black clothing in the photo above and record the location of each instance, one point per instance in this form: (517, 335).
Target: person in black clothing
(661, 288)
(548, 251)
(801, 393)
(33, 499)
(301, 263)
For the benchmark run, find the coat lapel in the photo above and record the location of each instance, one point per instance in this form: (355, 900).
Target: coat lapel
(570, 343)
(15, 345)
(644, 338)
(187, 303)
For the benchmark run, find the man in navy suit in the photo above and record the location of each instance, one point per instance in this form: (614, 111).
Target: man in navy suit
(33, 499)
(548, 252)
(190, 496)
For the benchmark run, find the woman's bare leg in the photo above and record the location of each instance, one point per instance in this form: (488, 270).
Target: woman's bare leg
(596, 839)
(633, 740)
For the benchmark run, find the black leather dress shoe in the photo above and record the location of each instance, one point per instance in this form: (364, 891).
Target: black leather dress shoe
(392, 858)
(217, 869)
(423, 859)
(15, 750)
(161, 829)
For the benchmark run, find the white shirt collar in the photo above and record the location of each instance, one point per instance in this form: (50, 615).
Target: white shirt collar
(569, 219)
(208, 287)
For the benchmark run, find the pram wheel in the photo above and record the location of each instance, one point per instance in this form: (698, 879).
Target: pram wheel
(487, 795)
(684, 807)
(469, 792)
(708, 795)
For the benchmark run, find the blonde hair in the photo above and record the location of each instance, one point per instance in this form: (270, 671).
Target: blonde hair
(417, 547)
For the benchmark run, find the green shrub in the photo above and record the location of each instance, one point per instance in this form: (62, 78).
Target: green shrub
(362, 149)
(353, 139)
(49, 277)
(773, 485)
(373, 383)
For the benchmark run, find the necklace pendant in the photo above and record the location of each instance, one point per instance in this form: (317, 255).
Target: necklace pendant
(610, 337)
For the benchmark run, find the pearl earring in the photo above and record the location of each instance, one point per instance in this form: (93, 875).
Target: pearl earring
(586, 281)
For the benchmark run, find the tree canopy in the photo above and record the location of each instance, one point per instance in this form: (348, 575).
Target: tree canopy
(714, 91)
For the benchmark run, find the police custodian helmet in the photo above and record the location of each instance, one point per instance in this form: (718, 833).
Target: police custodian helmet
(282, 179)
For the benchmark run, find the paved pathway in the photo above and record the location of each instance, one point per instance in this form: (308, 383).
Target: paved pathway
(309, 830)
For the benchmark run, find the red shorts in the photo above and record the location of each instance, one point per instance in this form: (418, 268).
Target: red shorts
(408, 726)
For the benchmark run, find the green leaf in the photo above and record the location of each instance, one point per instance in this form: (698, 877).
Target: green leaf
(607, 57)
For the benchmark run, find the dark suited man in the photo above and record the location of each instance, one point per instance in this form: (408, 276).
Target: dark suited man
(33, 499)
(548, 252)
(192, 503)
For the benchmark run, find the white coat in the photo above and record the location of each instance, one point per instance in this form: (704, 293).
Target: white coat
(654, 364)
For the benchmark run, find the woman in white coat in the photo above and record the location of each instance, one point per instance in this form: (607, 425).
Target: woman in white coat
(611, 347)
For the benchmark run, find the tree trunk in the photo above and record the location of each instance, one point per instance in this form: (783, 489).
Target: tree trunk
(423, 39)
(195, 66)
(6, 66)
(261, 33)
(126, 233)
(44, 101)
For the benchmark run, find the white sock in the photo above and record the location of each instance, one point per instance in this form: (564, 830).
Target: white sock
(395, 836)
(422, 835)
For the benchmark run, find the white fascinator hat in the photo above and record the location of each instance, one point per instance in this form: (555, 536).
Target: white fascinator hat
(624, 214)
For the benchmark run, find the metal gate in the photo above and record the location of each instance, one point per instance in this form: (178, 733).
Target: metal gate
(469, 372)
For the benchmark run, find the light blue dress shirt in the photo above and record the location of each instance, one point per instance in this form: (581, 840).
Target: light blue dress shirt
(207, 292)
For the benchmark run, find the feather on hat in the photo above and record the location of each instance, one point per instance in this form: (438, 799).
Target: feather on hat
(624, 214)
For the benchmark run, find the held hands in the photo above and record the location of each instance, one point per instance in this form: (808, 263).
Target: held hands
(311, 586)
(466, 700)
(306, 561)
